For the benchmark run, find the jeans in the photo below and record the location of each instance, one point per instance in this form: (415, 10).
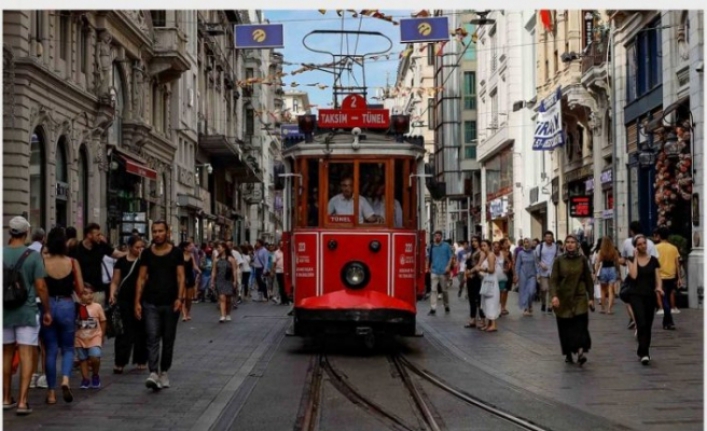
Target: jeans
(133, 339)
(245, 283)
(60, 335)
(643, 310)
(160, 324)
(262, 287)
(669, 286)
(473, 287)
(281, 287)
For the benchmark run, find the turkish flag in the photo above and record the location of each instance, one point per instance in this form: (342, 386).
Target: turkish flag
(546, 19)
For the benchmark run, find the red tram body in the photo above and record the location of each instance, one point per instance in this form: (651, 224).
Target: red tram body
(354, 273)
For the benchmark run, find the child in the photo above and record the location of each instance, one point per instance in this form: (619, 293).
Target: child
(91, 323)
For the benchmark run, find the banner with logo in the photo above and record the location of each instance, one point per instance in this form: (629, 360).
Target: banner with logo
(259, 36)
(428, 29)
(548, 126)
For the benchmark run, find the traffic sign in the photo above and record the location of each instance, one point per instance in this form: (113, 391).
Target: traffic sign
(354, 113)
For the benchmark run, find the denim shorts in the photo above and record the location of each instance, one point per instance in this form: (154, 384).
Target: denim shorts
(607, 275)
(91, 352)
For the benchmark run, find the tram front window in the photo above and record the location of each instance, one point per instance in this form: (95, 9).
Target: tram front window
(341, 206)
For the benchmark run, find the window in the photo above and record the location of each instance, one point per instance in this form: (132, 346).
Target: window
(64, 34)
(631, 71)
(469, 90)
(431, 113)
(82, 204)
(470, 151)
(430, 54)
(82, 47)
(556, 61)
(295, 106)
(37, 179)
(115, 135)
(469, 132)
(39, 25)
(249, 122)
(159, 18)
(470, 53)
(494, 109)
(644, 58)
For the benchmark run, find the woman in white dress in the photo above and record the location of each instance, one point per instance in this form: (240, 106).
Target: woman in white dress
(490, 302)
(501, 276)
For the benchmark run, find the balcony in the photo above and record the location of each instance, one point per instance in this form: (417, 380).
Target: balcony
(596, 55)
(225, 153)
(170, 54)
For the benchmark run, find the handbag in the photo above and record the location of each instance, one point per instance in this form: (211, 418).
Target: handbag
(487, 288)
(114, 318)
(625, 292)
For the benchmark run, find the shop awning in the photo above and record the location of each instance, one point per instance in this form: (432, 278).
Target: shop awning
(135, 168)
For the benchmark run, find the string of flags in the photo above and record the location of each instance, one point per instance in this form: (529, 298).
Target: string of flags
(373, 13)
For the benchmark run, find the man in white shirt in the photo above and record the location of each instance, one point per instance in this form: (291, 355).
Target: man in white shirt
(279, 263)
(378, 205)
(342, 204)
(37, 240)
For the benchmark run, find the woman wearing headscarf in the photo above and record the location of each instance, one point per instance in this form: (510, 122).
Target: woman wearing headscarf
(526, 273)
(572, 292)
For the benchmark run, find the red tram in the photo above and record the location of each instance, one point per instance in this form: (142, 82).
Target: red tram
(355, 247)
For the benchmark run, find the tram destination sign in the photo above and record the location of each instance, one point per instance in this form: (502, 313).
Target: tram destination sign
(354, 113)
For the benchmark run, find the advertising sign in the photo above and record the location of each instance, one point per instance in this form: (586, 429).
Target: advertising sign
(259, 36)
(428, 29)
(581, 206)
(404, 266)
(354, 113)
(305, 253)
(548, 127)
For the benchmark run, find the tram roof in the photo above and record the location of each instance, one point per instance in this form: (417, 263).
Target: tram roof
(341, 143)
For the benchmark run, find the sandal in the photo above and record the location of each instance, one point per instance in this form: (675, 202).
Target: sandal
(66, 392)
(23, 411)
(12, 404)
(46, 400)
(491, 329)
(117, 370)
(470, 325)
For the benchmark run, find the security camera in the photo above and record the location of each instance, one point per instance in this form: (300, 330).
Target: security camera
(356, 131)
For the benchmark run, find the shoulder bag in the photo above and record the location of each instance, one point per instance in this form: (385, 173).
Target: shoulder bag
(114, 319)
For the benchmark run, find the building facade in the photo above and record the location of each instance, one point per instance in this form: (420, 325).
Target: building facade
(516, 193)
(128, 117)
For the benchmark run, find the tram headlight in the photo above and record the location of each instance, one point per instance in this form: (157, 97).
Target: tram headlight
(355, 275)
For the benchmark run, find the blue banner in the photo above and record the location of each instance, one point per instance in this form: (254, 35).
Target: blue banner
(430, 29)
(259, 36)
(549, 133)
(289, 130)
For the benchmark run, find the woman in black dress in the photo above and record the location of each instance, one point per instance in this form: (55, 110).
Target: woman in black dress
(191, 270)
(122, 292)
(644, 282)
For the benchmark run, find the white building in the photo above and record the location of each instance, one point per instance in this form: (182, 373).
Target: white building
(515, 179)
(294, 103)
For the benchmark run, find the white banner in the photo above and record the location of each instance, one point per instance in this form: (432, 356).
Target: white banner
(548, 127)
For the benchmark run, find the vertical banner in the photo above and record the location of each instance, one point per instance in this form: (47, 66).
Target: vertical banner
(259, 36)
(548, 127)
(429, 29)
(305, 264)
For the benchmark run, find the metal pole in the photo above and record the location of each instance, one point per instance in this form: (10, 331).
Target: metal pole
(614, 125)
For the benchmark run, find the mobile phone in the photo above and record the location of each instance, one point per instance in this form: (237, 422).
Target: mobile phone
(591, 307)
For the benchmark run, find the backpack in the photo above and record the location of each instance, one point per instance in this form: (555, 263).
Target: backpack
(14, 290)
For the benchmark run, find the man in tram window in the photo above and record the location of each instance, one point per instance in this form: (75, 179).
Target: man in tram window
(342, 204)
(378, 205)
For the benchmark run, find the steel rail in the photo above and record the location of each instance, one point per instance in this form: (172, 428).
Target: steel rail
(415, 393)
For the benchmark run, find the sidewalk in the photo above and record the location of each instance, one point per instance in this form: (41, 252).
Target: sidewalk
(210, 362)
(525, 352)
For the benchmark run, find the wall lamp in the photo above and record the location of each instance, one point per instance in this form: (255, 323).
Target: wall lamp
(520, 104)
(209, 168)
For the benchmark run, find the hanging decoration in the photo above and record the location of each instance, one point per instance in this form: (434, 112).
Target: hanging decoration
(673, 178)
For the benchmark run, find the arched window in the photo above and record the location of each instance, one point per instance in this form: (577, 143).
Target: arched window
(37, 179)
(82, 204)
(115, 136)
(62, 183)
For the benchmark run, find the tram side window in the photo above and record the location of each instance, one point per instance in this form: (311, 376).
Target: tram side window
(401, 206)
(312, 206)
(373, 188)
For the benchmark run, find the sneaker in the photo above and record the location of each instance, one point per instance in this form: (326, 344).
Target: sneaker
(95, 382)
(446, 309)
(660, 312)
(42, 382)
(153, 382)
(228, 318)
(432, 313)
(85, 384)
(675, 310)
(222, 319)
(646, 360)
(33, 381)
(164, 380)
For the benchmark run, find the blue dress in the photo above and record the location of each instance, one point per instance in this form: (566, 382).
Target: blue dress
(526, 270)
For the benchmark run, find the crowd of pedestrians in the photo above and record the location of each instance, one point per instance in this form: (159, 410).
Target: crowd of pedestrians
(565, 278)
(68, 295)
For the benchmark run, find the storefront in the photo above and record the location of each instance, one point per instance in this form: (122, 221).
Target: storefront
(499, 194)
(500, 220)
(606, 181)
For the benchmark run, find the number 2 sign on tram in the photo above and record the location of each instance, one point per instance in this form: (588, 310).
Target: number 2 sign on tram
(354, 113)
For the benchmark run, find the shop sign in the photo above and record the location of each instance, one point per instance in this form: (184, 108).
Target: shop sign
(589, 185)
(606, 177)
(62, 191)
(581, 206)
(607, 214)
(498, 207)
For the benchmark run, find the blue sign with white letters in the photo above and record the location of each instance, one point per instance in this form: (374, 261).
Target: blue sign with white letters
(549, 133)
(259, 36)
(429, 29)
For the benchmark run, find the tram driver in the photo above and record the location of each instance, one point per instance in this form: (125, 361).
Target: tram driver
(342, 204)
(378, 205)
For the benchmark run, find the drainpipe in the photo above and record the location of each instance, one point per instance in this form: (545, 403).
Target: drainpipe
(614, 125)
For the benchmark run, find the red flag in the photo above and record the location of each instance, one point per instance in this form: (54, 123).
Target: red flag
(546, 19)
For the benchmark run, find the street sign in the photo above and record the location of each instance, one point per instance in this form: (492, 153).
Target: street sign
(428, 29)
(289, 130)
(259, 36)
(581, 206)
(354, 113)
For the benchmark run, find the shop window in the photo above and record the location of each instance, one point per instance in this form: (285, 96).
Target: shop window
(37, 179)
(310, 209)
(82, 204)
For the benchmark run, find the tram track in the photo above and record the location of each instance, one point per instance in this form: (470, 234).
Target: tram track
(411, 376)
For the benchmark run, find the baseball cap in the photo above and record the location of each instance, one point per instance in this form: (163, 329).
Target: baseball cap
(18, 225)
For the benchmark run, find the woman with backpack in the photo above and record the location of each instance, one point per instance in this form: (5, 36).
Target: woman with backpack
(224, 278)
(63, 278)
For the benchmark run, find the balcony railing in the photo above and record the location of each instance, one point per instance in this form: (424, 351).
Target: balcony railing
(596, 55)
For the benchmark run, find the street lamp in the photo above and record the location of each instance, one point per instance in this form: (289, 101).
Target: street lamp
(520, 104)
(209, 168)
(671, 148)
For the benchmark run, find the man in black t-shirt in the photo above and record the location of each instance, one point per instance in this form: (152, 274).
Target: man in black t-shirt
(89, 253)
(159, 294)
